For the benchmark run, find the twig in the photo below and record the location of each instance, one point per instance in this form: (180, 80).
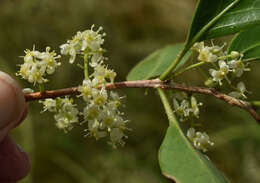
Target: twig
(156, 83)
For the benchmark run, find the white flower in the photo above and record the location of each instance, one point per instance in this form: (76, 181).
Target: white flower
(191, 134)
(198, 46)
(66, 112)
(38, 64)
(238, 67)
(93, 130)
(116, 136)
(91, 112)
(219, 75)
(206, 55)
(88, 42)
(86, 89)
(200, 140)
(49, 105)
(101, 74)
(195, 106)
(240, 93)
(223, 67)
(114, 103)
(100, 96)
(182, 110)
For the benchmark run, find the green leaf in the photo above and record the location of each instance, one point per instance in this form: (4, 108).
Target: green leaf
(180, 162)
(157, 62)
(248, 43)
(244, 15)
(222, 17)
(207, 14)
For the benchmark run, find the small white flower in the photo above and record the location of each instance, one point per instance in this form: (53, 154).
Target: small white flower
(207, 56)
(241, 91)
(66, 112)
(223, 67)
(195, 106)
(200, 140)
(88, 42)
(49, 105)
(93, 130)
(191, 134)
(91, 112)
(38, 64)
(182, 110)
(116, 136)
(86, 89)
(238, 67)
(100, 96)
(198, 46)
(219, 75)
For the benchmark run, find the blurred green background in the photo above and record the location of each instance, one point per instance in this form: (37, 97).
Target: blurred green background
(134, 29)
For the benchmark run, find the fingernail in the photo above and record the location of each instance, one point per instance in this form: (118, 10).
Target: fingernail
(12, 102)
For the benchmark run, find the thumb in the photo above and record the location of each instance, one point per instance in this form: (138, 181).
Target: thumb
(12, 104)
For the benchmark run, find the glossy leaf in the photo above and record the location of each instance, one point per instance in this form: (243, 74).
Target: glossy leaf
(180, 162)
(157, 62)
(222, 17)
(205, 16)
(248, 43)
(244, 15)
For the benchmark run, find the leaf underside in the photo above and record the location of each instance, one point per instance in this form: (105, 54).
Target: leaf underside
(157, 62)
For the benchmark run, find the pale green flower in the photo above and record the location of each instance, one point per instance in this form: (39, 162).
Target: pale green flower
(238, 67)
(241, 91)
(200, 140)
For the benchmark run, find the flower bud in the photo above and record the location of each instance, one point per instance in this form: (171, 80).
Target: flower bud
(210, 83)
(234, 54)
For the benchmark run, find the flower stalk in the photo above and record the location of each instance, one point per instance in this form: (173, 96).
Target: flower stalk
(156, 83)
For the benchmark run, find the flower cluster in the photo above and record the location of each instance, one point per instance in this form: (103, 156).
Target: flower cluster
(87, 43)
(207, 53)
(38, 64)
(229, 65)
(103, 117)
(101, 112)
(227, 62)
(102, 107)
(186, 109)
(66, 113)
(200, 140)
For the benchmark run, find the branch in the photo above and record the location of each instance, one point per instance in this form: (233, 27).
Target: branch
(156, 83)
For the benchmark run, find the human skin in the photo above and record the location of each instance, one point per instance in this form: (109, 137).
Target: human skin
(14, 162)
